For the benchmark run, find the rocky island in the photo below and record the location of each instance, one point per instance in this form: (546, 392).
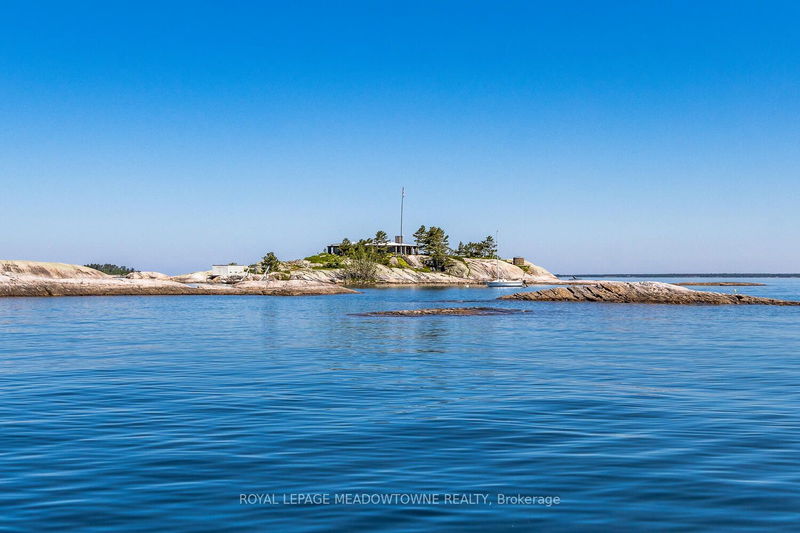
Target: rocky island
(299, 277)
(33, 278)
(407, 270)
(304, 277)
(646, 292)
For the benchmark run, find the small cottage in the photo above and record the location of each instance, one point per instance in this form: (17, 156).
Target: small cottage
(396, 247)
(227, 271)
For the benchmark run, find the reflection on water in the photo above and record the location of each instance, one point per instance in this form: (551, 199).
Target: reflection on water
(156, 413)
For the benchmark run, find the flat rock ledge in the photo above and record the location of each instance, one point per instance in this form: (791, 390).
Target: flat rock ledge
(451, 311)
(11, 286)
(719, 284)
(645, 292)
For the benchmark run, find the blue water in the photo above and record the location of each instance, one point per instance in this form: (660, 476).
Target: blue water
(157, 413)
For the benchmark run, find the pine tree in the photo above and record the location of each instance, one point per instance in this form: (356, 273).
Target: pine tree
(419, 237)
(489, 247)
(345, 246)
(268, 263)
(437, 247)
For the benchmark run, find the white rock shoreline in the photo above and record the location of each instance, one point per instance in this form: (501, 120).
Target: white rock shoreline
(31, 278)
(461, 272)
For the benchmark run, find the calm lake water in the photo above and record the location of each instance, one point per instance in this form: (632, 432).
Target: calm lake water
(158, 413)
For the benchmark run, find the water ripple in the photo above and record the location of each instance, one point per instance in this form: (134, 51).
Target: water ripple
(157, 413)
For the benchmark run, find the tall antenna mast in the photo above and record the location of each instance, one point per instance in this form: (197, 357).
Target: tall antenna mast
(402, 199)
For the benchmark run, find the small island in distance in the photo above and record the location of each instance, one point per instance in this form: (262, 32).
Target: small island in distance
(303, 278)
(345, 266)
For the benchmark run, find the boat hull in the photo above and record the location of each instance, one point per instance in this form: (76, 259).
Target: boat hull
(505, 283)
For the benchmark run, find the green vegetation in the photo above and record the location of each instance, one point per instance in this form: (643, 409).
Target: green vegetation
(381, 238)
(402, 263)
(112, 270)
(320, 258)
(326, 260)
(362, 264)
(434, 243)
(419, 235)
(360, 258)
(267, 264)
(373, 249)
(486, 249)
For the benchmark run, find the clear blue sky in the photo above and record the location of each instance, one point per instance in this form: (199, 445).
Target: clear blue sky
(596, 136)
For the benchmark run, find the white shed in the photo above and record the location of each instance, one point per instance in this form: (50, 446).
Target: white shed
(227, 270)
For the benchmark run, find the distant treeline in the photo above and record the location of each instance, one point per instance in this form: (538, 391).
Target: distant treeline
(707, 275)
(111, 270)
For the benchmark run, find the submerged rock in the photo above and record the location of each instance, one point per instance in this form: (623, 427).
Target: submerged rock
(453, 311)
(648, 292)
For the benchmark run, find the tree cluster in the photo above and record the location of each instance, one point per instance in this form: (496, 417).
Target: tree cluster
(373, 249)
(362, 263)
(434, 243)
(112, 270)
(486, 249)
(363, 257)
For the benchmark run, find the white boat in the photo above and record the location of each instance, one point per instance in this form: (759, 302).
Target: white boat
(502, 282)
(505, 283)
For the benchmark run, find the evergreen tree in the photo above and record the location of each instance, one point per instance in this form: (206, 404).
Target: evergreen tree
(488, 248)
(437, 247)
(419, 237)
(345, 246)
(268, 263)
(381, 240)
